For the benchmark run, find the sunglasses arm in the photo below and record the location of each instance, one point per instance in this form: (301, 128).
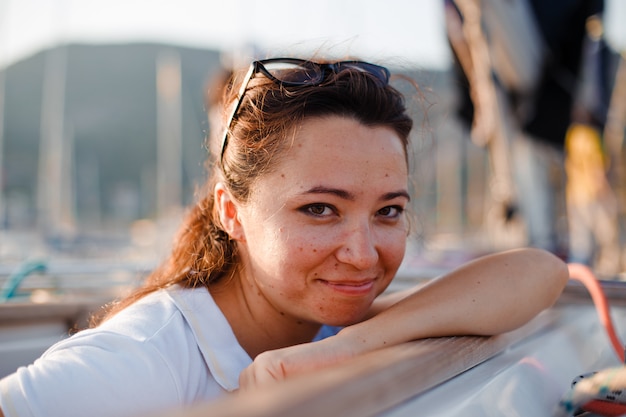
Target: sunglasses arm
(242, 91)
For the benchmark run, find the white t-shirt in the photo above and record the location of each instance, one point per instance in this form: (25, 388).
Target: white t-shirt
(172, 348)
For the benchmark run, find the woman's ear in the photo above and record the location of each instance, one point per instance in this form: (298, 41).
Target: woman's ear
(228, 212)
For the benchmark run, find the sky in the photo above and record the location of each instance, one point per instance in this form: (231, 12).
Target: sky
(406, 32)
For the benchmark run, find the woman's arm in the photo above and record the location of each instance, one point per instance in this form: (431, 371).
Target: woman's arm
(490, 295)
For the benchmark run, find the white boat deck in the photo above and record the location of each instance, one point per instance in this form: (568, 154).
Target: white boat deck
(530, 376)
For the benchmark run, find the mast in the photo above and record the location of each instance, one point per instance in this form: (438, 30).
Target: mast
(3, 70)
(169, 134)
(2, 178)
(54, 199)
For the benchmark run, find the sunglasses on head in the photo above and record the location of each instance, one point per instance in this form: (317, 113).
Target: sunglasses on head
(299, 72)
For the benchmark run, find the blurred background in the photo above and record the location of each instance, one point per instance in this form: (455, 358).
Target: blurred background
(103, 116)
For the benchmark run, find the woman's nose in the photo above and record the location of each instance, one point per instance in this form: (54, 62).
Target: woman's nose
(359, 248)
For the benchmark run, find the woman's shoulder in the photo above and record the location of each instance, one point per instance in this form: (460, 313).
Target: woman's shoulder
(153, 329)
(147, 350)
(153, 326)
(183, 323)
(154, 313)
(178, 328)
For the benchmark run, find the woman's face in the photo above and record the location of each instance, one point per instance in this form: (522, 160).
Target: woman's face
(325, 232)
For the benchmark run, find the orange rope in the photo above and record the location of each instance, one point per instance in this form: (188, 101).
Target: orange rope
(582, 273)
(605, 408)
(603, 402)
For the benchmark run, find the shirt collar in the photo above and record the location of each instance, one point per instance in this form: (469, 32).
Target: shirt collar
(221, 351)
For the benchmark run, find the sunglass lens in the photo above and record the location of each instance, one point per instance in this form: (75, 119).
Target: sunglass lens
(295, 73)
(377, 71)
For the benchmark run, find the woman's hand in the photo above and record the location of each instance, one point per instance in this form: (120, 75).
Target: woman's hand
(275, 365)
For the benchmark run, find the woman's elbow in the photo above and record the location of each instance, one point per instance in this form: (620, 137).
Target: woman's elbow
(552, 274)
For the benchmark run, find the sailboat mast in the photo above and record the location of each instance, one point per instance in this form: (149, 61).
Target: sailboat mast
(2, 179)
(169, 134)
(3, 70)
(52, 150)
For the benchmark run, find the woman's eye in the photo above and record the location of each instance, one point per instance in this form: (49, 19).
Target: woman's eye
(319, 210)
(391, 212)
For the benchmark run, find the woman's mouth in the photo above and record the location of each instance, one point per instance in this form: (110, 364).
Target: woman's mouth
(356, 288)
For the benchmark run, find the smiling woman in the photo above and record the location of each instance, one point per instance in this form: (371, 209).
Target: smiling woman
(301, 227)
(313, 233)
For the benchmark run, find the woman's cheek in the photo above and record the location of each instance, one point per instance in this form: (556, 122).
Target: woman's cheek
(394, 242)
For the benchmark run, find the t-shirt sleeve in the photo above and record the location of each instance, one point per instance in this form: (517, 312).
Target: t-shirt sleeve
(326, 331)
(95, 374)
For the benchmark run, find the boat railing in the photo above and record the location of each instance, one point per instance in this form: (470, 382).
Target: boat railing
(41, 280)
(42, 302)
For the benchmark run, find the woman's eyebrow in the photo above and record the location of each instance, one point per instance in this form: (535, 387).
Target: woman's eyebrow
(346, 195)
(320, 189)
(396, 194)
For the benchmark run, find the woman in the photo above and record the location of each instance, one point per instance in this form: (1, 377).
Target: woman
(303, 224)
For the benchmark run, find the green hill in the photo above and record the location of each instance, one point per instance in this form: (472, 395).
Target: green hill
(110, 110)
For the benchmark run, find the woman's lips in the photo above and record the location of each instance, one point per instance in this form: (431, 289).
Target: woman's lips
(351, 288)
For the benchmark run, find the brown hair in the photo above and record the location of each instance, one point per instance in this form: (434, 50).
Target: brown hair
(203, 253)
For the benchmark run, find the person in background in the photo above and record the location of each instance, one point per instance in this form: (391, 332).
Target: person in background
(531, 55)
(302, 225)
(592, 204)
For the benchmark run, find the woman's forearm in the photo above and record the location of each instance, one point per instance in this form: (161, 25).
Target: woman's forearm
(490, 295)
